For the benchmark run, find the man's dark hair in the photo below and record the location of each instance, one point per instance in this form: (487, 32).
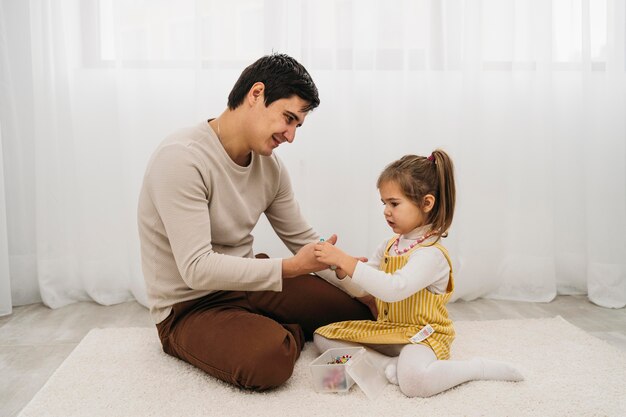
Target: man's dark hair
(283, 77)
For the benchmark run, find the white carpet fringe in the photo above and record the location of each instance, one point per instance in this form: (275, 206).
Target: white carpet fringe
(124, 372)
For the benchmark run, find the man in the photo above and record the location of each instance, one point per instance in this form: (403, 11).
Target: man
(241, 318)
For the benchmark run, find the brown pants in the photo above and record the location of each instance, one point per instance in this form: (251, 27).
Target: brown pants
(252, 339)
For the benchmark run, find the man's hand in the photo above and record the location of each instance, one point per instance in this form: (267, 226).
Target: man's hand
(304, 262)
(340, 273)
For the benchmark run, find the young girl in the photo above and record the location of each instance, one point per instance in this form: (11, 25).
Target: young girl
(411, 278)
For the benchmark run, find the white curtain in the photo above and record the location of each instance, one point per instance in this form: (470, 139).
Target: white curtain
(528, 96)
(5, 284)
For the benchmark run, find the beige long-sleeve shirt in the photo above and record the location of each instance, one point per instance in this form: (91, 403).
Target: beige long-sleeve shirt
(196, 212)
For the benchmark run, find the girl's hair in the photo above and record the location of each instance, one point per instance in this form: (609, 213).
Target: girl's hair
(418, 176)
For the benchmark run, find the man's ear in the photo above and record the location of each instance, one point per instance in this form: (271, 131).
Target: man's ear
(428, 202)
(256, 93)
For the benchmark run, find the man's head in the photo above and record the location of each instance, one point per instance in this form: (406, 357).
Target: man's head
(283, 77)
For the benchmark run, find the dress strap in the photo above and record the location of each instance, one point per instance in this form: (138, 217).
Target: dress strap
(445, 253)
(447, 256)
(390, 243)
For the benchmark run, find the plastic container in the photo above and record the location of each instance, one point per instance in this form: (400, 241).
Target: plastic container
(328, 376)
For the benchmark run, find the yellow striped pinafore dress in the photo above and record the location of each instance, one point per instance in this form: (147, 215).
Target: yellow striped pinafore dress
(397, 322)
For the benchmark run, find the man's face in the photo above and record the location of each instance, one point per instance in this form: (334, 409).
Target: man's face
(276, 123)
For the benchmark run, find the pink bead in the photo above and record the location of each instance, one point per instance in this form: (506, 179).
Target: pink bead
(417, 242)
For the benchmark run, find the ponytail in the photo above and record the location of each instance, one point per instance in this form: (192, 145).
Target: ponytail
(442, 213)
(418, 176)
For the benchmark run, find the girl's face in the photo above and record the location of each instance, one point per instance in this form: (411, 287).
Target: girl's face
(401, 213)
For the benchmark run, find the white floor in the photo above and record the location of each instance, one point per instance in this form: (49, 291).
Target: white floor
(35, 340)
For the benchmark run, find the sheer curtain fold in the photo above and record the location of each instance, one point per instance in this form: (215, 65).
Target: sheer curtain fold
(6, 300)
(5, 282)
(528, 97)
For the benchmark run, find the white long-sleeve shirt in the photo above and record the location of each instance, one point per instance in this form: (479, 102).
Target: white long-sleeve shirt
(427, 268)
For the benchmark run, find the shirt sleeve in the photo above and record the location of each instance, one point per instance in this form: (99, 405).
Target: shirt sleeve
(289, 224)
(346, 284)
(285, 216)
(179, 189)
(426, 268)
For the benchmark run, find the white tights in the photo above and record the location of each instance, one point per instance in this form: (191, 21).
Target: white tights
(418, 372)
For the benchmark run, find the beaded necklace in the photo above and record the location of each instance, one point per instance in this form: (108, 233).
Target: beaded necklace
(412, 245)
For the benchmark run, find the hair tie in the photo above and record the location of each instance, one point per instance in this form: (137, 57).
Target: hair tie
(431, 158)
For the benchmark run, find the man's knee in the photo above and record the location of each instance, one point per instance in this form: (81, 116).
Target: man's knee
(267, 365)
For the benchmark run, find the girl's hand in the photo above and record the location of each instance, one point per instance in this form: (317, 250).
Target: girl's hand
(329, 254)
(341, 274)
(304, 262)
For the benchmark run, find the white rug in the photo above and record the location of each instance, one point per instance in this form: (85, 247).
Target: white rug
(123, 372)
